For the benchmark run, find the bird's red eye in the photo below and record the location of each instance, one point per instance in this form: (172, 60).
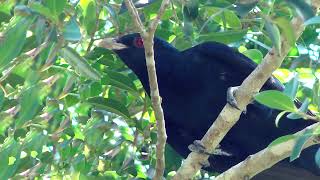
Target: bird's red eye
(138, 42)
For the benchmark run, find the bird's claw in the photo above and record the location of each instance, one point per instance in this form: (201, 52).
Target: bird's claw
(231, 99)
(198, 147)
(205, 164)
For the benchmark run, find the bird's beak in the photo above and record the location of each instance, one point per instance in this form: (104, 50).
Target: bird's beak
(110, 43)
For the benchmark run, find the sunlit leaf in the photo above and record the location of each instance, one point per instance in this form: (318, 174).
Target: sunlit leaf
(254, 54)
(281, 139)
(89, 14)
(223, 37)
(276, 99)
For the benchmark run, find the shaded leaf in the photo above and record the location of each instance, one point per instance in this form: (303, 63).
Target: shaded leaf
(291, 88)
(13, 41)
(71, 31)
(79, 63)
(301, 140)
(317, 158)
(302, 7)
(274, 35)
(302, 109)
(44, 11)
(312, 21)
(110, 105)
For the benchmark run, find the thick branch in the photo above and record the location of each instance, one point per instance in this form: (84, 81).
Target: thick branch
(229, 115)
(153, 83)
(266, 158)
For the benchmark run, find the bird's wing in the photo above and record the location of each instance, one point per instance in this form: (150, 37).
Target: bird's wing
(235, 61)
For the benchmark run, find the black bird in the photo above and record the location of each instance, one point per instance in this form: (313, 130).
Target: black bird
(193, 85)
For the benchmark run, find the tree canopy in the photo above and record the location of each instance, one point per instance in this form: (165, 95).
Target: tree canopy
(70, 109)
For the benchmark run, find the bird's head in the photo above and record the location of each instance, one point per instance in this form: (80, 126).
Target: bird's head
(130, 48)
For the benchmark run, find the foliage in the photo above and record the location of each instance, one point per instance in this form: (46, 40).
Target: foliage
(71, 110)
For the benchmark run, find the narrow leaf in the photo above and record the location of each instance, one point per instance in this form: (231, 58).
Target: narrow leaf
(300, 143)
(281, 139)
(79, 63)
(274, 35)
(110, 105)
(13, 41)
(312, 21)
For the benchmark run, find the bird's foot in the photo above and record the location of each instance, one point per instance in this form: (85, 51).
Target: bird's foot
(205, 164)
(198, 147)
(231, 97)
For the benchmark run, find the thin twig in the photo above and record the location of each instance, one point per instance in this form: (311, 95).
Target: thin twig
(147, 36)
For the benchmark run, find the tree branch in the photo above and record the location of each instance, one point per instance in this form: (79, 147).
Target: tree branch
(267, 157)
(229, 115)
(153, 83)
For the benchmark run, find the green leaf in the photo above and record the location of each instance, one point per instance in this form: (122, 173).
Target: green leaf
(89, 14)
(191, 10)
(300, 143)
(13, 41)
(120, 81)
(110, 105)
(224, 17)
(223, 37)
(254, 54)
(2, 97)
(303, 8)
(281, 139)
(71, 30)
(30, 103)
(312, 21)
(79, 63)
(317, 158)
(112, 175)
(44, 11)
(294, 52)
(278, 118)
(55, 6)
(22, 10)
(274, 35)
(10, 149)
(126, 133)
(287, 29)
(276, 99)
(302, 109)
(291, 88)
(78, 134)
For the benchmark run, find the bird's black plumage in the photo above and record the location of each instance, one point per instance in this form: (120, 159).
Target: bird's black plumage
(193, 86)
